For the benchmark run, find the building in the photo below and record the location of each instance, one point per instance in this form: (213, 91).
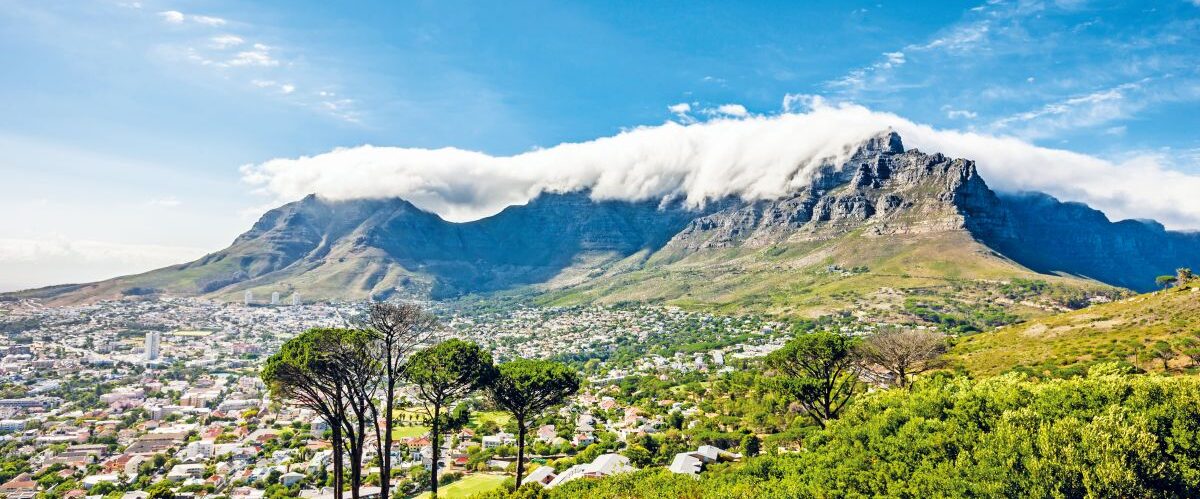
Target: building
(275, 298)
(152, 341)
(249, 297)
(606, 465)
(295, 299)
(692, 463)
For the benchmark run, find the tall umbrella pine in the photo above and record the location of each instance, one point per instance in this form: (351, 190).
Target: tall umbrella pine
(526, 388)
(303, 372)
(441, 375)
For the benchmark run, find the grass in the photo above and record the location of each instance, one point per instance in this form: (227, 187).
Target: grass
(409, 431)
(1144, 331)
(468, 486)
(501, 418)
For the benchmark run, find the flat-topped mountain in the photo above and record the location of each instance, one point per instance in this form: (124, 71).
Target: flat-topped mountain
(900, 218)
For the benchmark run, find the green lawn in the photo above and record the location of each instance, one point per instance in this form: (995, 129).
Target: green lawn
(468, 486)
(409, 431)
(500, 417)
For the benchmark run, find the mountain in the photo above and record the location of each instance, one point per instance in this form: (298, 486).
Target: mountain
(883, 222)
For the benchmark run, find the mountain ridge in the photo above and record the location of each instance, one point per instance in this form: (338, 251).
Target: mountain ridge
(878, 201)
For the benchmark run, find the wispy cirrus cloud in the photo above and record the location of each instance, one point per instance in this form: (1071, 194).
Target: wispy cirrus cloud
(1006, 55)
(237, 53)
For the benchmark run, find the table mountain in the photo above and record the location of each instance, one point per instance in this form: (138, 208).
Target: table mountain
(894, 218)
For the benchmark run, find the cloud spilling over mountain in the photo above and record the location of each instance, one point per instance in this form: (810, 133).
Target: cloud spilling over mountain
(756, 157)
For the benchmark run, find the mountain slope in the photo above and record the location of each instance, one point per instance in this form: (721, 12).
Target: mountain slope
(1155, 331)
(875, 229)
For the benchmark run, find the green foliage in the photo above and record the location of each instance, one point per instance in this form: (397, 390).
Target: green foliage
(526, 388)
(1104, 435)
(818, 371)
(751, 445)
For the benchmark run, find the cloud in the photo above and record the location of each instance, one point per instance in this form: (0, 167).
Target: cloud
(260, 55)
(955, 114)
(287, 88)
(177, 17)
(208, 20)
(736, 110)
(226, 41)
(172, 16)
(1088, 110)
(758, 157)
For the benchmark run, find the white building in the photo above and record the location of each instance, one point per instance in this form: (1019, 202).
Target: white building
(152, 341)
(606, 465)
(275, 298)
(249, 297)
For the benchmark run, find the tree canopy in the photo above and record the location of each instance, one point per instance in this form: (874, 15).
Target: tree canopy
(817, 370)
(528, 387)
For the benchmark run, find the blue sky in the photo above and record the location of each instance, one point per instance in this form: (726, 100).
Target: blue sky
(124, 123)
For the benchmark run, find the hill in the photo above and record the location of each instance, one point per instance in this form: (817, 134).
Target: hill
(1157, 331)
(884, 227)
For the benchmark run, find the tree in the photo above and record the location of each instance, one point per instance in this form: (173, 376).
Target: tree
(1165, 281)
(304, 373)
(329, 371)
(751, 445)
(526, 388)
(360, 370)
(443, 374)
(904, 352)
(638, 456)
(1183, 275)
(398, 329)
(817, 370)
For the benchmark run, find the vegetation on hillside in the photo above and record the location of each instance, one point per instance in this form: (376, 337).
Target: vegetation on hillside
(1109, 434)
(1157, 331)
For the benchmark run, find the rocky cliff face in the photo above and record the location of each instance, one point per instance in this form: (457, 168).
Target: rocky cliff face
(354, 249)
(882, 189)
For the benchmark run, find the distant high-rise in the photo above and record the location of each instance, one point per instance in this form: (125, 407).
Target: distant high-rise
(275, 298)
(249, 297)
(295, 299)
(152, 340)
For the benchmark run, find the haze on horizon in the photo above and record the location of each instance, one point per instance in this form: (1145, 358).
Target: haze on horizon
(145, 133)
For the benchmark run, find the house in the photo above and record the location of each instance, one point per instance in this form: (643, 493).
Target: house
(327, 493)
(94, 480)
(692, 463)
(181, 472)
(583, 440)
(546, 433)
(542, 475)
(605, 465)
(290, 478)
(499, 439)
(19, 486)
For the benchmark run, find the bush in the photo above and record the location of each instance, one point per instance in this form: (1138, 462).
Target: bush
(1109, 434)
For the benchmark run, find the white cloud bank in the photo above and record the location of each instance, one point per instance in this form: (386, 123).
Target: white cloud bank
(756, 157)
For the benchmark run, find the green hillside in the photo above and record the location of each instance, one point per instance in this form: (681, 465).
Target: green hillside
(878, 278)
(1154, 331)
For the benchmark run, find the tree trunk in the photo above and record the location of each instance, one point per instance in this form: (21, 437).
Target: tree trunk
(520, 450)
(356, 456)
(437, 447)
(338, 466)
(385, 468)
